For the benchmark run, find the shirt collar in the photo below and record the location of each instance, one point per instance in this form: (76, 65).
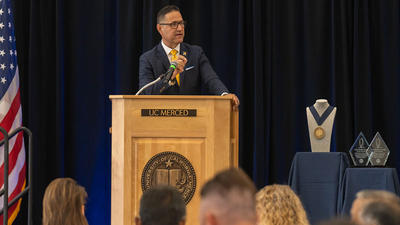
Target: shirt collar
(168, 49)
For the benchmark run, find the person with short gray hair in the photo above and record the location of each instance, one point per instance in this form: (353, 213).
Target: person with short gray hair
(380, 213)
(364, 197)
(379, 195)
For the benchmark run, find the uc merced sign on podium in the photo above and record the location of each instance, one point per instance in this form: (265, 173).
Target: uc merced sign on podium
(168, 140)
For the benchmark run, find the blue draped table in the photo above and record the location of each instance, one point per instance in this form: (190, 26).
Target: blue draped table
(357, 179)
(316, 177)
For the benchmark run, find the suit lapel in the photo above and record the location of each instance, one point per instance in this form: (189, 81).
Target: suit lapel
(162, 56)
(185, 52)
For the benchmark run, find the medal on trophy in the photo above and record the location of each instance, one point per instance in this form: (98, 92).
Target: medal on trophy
(319, 132)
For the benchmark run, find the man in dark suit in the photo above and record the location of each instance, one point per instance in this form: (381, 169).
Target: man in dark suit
(193, 70)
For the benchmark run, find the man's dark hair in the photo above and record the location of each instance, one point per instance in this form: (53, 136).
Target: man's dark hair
(228, 180)
(162, 205)
(381, 213)
(165, 10)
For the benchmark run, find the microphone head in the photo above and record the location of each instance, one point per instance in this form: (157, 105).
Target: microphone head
(173, 64)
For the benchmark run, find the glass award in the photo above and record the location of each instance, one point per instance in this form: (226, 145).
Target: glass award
(378, 151)
(358, 152)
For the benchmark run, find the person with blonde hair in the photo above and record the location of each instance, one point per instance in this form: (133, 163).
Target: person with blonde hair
(279, 205)
(64, 203)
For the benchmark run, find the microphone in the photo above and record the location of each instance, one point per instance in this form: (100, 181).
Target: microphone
(166, 76)
(170, 71)
(167, 82)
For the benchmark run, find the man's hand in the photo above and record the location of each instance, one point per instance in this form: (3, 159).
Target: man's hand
(235, 101)
(180, 67)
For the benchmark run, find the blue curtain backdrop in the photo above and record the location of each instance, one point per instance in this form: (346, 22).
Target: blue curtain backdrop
(278, 56)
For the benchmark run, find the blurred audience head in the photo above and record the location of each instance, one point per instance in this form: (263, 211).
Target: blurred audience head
(363, 198)
(64, 203)
(338, 221)
(161, 205)
(380, 213)
(228, 199)
(278, 204)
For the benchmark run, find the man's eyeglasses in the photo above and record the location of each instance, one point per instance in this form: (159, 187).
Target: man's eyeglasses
(175, 25)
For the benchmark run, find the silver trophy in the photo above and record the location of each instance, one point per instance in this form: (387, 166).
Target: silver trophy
(378, 151)
(358, 152)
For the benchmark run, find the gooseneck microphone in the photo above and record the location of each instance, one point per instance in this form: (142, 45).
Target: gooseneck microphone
(166, 76)
(167, 82)
(170, 71)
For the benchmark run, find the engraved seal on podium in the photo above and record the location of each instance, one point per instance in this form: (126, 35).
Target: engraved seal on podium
(173, 169)
(319, 133)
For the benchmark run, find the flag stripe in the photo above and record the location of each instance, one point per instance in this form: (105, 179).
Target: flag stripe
(12, 157)
(11, 142)
(14, 212)
(20, 187)
(12, 183)
(12, 112)
(6, 100)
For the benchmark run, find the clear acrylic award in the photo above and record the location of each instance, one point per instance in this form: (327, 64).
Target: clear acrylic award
(358, 152)
(378, 151)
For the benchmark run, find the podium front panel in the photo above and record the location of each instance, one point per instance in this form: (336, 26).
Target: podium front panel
(207, 140)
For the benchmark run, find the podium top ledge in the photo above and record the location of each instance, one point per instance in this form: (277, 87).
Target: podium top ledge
(197, 97)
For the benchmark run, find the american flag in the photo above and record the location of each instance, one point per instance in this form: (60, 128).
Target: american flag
(10, 110)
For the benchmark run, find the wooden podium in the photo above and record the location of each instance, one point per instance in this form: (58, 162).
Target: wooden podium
(203, 129)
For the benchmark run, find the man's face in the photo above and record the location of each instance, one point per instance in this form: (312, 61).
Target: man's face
(171, 36)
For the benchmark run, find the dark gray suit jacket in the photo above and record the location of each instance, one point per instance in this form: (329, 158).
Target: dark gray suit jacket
(198, 72)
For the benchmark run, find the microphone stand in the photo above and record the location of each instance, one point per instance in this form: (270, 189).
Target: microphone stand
(150, 84)
(168, 74)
